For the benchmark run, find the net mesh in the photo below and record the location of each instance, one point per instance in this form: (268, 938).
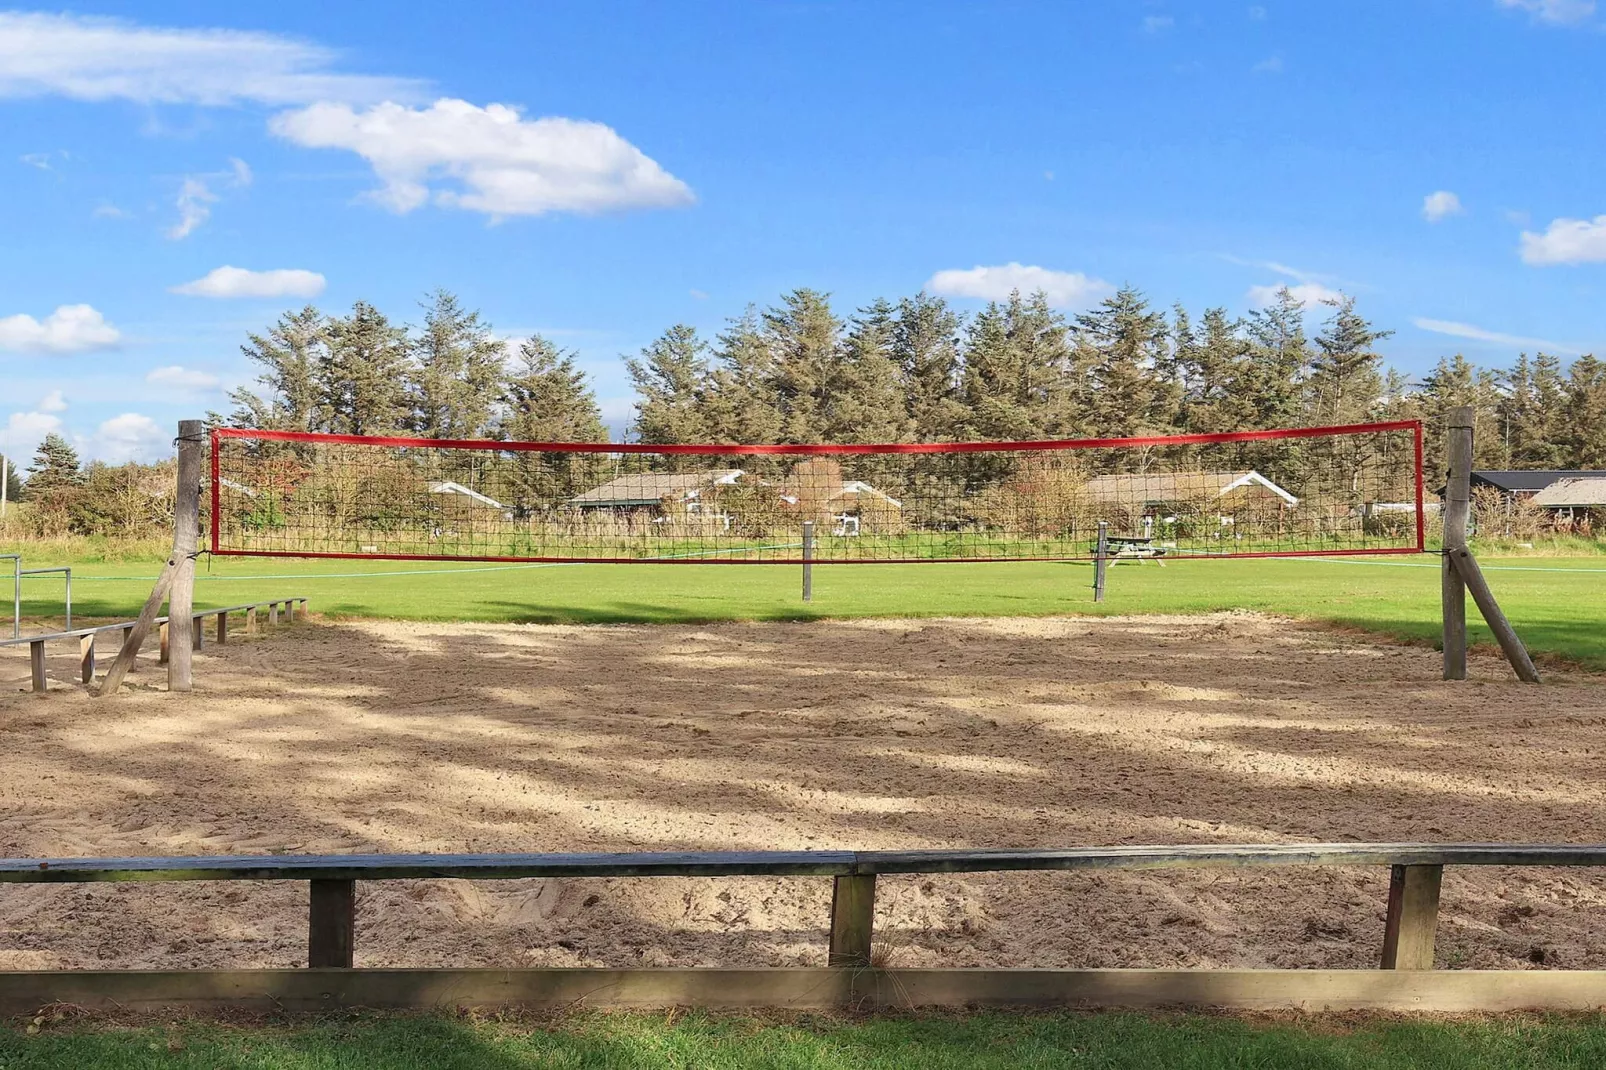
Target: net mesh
(1307, 491)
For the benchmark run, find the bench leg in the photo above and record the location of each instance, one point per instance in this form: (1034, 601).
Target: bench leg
(332, 924)
(86, 659)
(162, 631)
(251, 620)
(273, 614)
(195, 630)
(36, 663)
(222, 628)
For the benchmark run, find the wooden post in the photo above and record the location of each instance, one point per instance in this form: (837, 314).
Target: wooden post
(1101, 560)
(36, 664)
(1413, 917)
(186, 535)
(1466, 567)
(134, 636)
(196, 639)
(852, 921)
(273, 614)
(808, 560)
(332, 924)
(165, 657)
(251, 620)
(86, 658)
(222, 628)
(1457, 506)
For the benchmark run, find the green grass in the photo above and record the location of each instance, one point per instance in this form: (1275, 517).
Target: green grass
(969, 1042)
(1558, 604)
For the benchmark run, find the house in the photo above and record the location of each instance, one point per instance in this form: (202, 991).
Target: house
(849, 503)
(655, 491)
(1572, 494)
(1524, 483)
(1171, 488)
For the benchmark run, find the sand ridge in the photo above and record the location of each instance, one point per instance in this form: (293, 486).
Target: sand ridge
(888, 734)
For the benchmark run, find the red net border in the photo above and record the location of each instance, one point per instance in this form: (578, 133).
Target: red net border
(804, 450)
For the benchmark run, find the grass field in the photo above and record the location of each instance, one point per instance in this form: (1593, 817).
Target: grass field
(974, 1042)
(1558, 604)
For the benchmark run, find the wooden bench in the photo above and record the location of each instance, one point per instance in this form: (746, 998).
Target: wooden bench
(86, 636)
(1412, 912)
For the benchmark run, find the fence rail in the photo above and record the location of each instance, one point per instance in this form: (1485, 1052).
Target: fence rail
(1412, 913)
(86, 636)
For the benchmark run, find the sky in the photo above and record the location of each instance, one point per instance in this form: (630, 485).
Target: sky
(173, 176)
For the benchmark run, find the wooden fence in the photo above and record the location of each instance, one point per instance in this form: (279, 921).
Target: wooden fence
(1406, 980)
(86, 636)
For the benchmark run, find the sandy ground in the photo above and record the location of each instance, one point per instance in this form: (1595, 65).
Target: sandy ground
(872, 734)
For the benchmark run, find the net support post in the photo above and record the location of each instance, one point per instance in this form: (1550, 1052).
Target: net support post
(186, 535)
(1101, 560)
(1457, 507)
(808, 560)
(332, 924)
(1413, 917)
(852, 920)
(1511, 644)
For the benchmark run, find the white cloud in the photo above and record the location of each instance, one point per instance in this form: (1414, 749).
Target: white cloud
(1558, 12)
(196, 197)
(1440, 204)
(699, 295)
(52, 402)
(96, 59)
(109, 211)
(129, 437)
(1566, 241)
(69, 329)
(23, 432)
(1156, 23)
(497, 161)
(1269, 65)
(229, 281)
(40, 160)
(1065, 289)
(1478, 334)
(1309, 294)
(1256, 12)
(181, 378)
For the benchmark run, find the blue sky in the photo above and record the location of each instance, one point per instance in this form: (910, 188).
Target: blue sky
(597, 171)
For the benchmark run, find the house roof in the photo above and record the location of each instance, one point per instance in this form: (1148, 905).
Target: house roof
(650, 488)
(1526, 481)
(1180, 486)
(448, 487)
(1586, 492)
(854, 488)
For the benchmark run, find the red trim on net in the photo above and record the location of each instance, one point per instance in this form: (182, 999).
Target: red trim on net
(786, 560)
(816, 449)
(1421, 509)
(216, 479)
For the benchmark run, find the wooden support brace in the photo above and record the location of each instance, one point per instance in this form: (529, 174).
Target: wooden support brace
(222, 628)
(1511, 644)
(164, 635)
(36, 664)
(852, 921)
(1413, 917)
(332, 924)
(86, 658)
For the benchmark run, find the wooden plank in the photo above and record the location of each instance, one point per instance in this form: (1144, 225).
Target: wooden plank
(332, 923)
(1457, 506)
(852, 921)
(783, 863)
(1413, 917)
(36, 665)
(1510, 643)
(186, 535)
(222, 628)
(86, 659)
(806, 988)
(134, 635)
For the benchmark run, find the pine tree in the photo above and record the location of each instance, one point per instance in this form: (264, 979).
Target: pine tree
(1345, 382)
(364, 374)
(1018, 380)
(868, 403)
(54, 467)
(803, 337)
(547, 398)
(1123, 342)
(668, 377)
(925, 346)
(1210, 365)
(13, 479)
(292, 355)
(739, 404)
(457, 368)
(1277, 363)
(1456, 381)
(1585, 413)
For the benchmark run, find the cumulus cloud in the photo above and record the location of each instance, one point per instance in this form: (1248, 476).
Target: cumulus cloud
(1064, 289)
(1440, 204)
(1156, 23)
(1557, 12)
(1479, 334)
(93, 58)
(1269, 65)
(196, 197)
(1309, 294)
(181, 378)
(488, 159)
(52, 402)
(129, 437)
(23, 431)
(1566, 241)
(228, 281)
(69, 329)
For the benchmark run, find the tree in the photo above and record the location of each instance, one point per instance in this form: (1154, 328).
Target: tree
(739, 404)
(1123, 344)
(1018, 372)
(803, 337)
(925, 345)
(54, 467)
(13, 479)
(547, 399)
(365, 372)
(1277, 363)
(1209, 367)
(293, 354)
(457, 371)
(669, 377)
(1345, 382)
(1456, 381)
(868, 401)
(1585, 413)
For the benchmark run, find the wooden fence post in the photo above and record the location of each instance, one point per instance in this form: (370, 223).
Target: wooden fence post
(1413, 917)
(1457, 505)
(332, 924)
(36, 665)
(1466, 566)
(186, 535)
(808, 560)
(86, 658)
(852, 920)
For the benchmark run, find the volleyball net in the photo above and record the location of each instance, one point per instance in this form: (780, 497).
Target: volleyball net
(1355, 489)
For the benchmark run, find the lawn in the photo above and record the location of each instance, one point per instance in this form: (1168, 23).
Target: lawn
(972, 1042)
(1558, 604)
